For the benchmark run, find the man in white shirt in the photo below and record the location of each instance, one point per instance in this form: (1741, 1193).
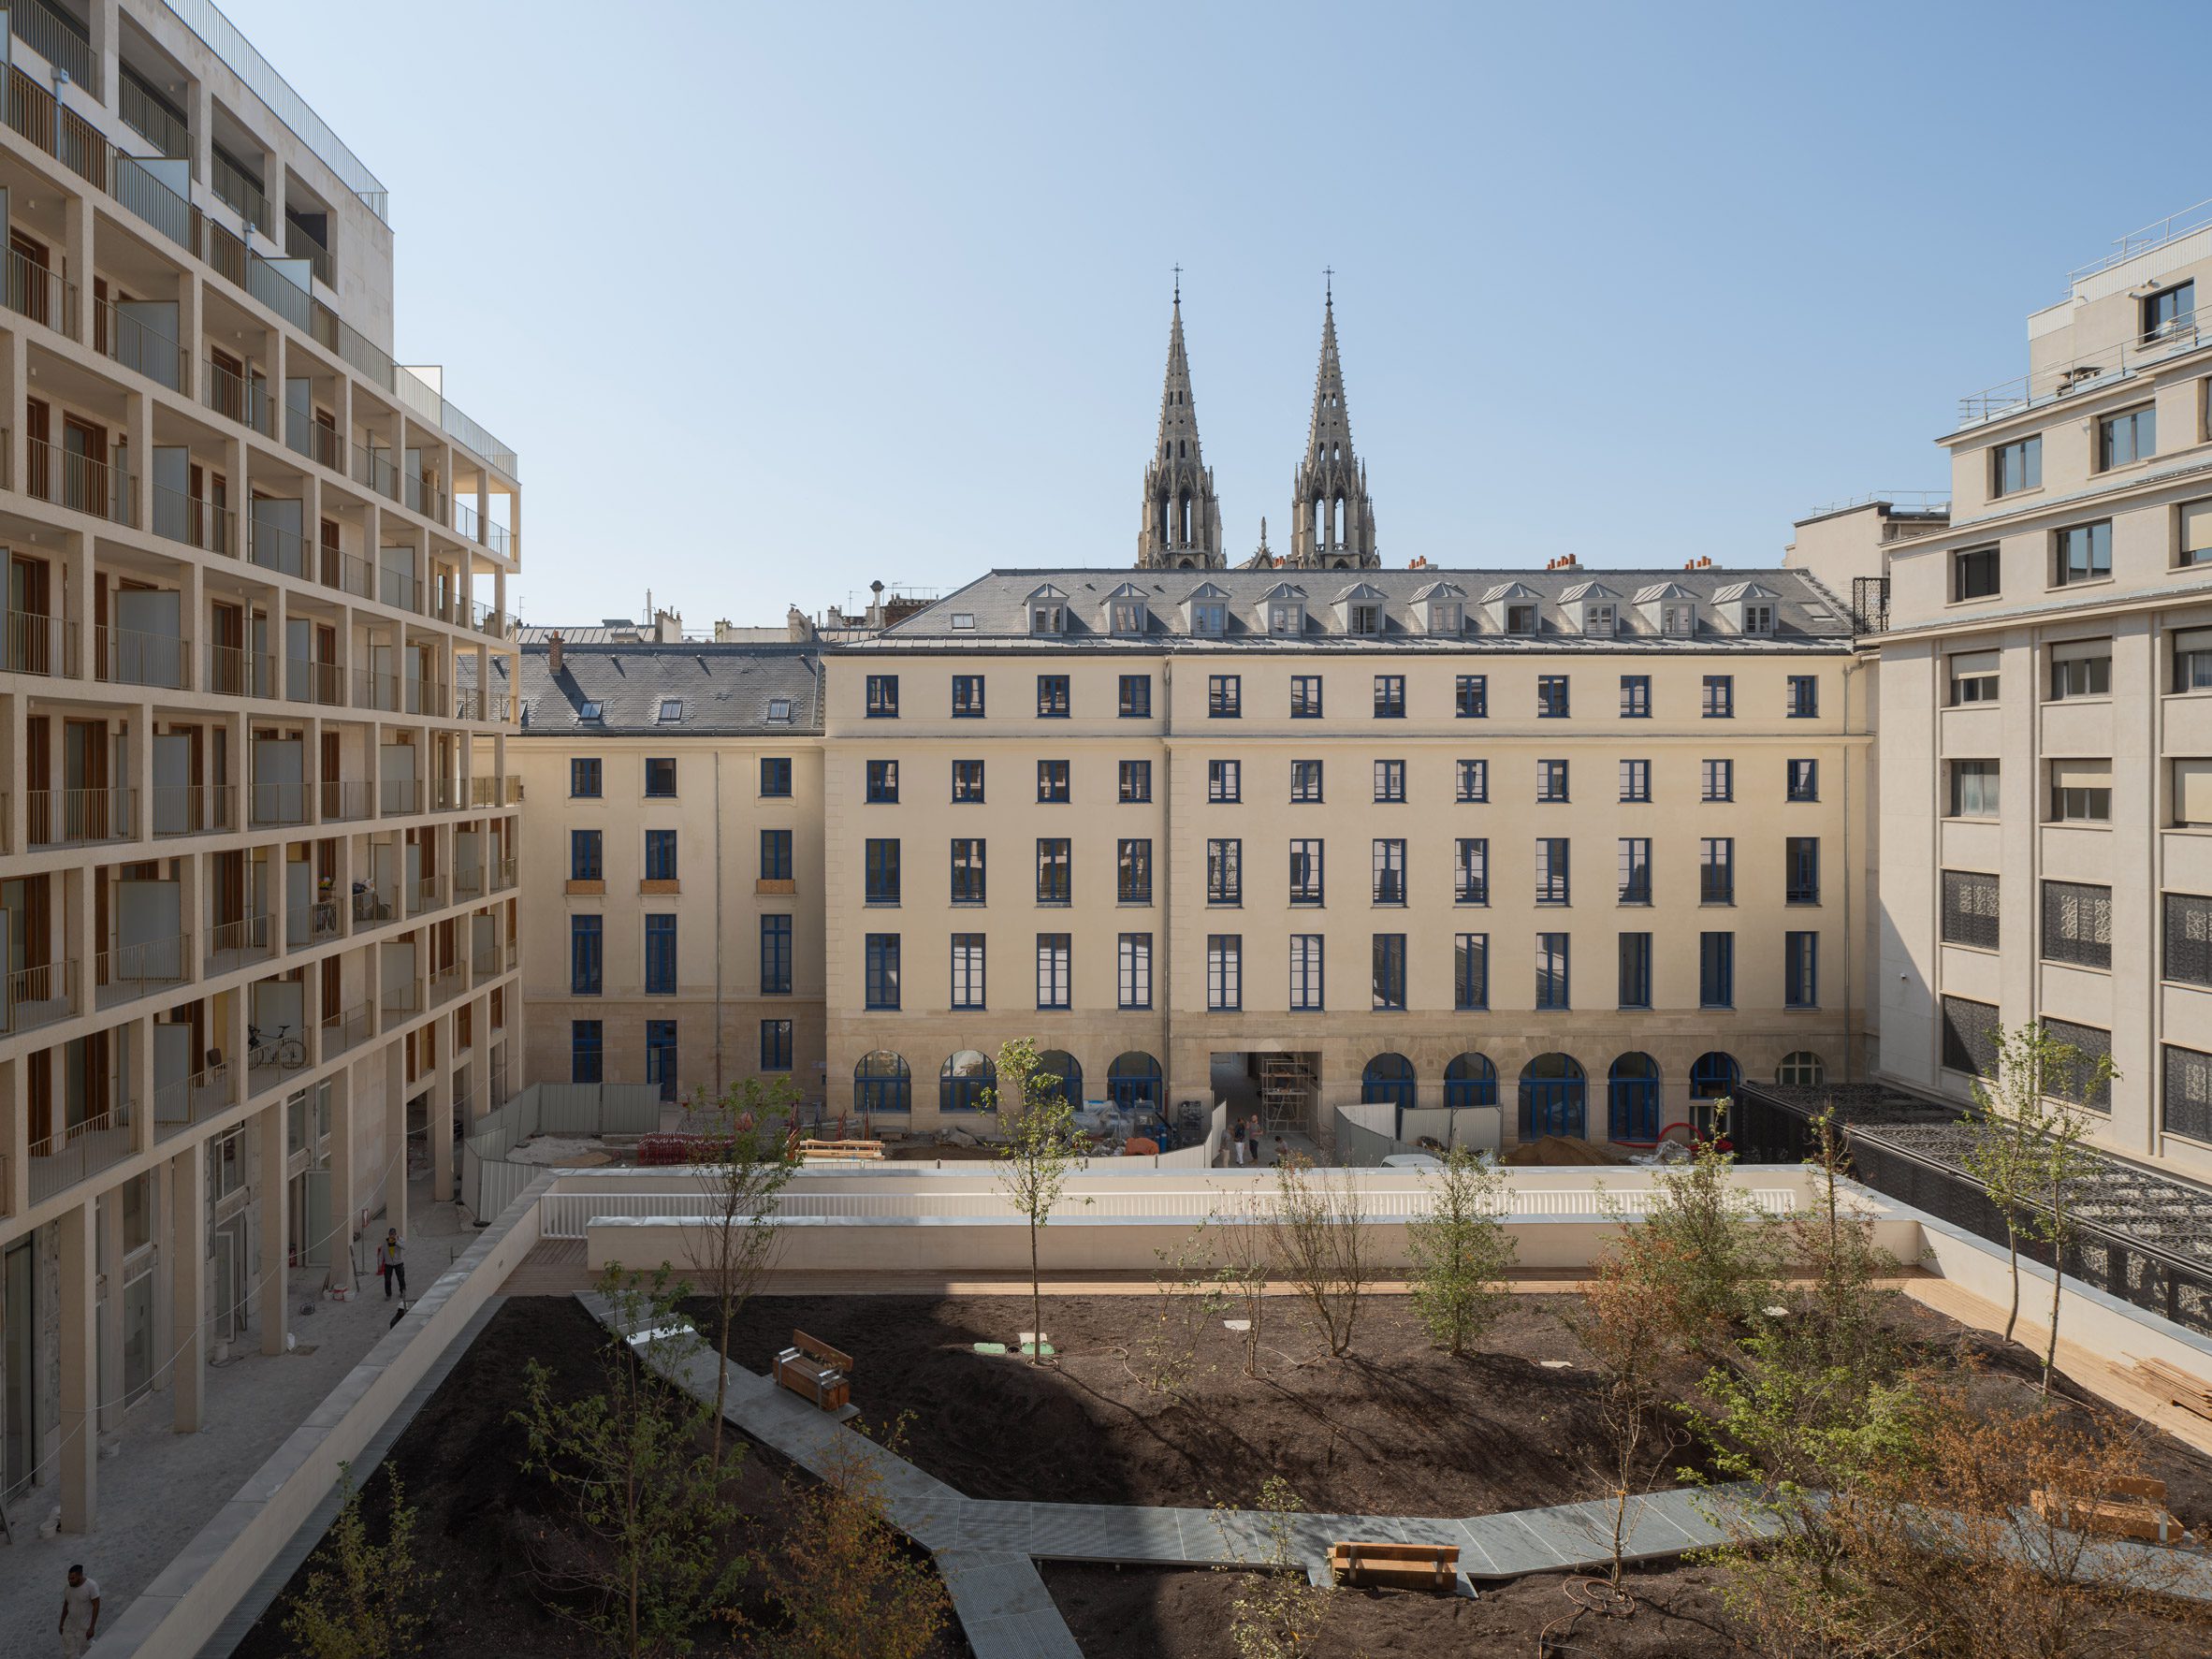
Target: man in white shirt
(81, 1613)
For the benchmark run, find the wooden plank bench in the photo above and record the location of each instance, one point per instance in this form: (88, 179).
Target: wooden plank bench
(2132, 1507)
(844, 1151)
(819, 1371)
(1395, 1566)
(2176, 1385)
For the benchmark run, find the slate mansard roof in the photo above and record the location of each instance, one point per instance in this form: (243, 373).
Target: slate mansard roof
(995, 610)
(716, 690)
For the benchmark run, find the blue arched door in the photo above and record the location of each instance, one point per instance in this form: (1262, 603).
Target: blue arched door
(1132, 1083)
(965, 1082)
(1552, 1097)
(1471, 1080)
(1632, 1098)
(1387, 1080)
(1060, 1062)
(1713, 1077)
(881, 1083)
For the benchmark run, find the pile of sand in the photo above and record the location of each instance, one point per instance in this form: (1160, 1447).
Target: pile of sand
(1554, 1150)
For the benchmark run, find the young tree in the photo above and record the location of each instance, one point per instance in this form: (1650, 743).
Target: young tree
(1189, 1295)
(1277, 1611)
(1038, 1155)
(366, 1603)
(1320, 1245)
(653, 1557)
(1844, 1308)
(1245, 1236)
(1463, 1251)
(2061, 1160)
(1623, 1328)
(740, 1189)
(1704, 1254)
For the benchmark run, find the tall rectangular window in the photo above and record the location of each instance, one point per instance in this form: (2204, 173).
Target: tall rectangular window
(1551, 780)
(1471, 870)
(774, 776)
(1552, 970)
(1225, 696)
(967, 782)
(584, 779)
(1804, 696)
(1800, 969)
(2074, 1081)
(880, 959)
(1800, 860)
(776, 856)
(1052, 696)
(1055, 883)
(1051, 783)
(1225, 872)
(1473, 780)
(969, 972)
(2188, 938)
(1135, 970)
(1306, 696)
(1387, 972)
(1389, 781)
(1719, 696)
(1390, 872)
(775, 956)
(1389, 696)
(1718, 780)
(1135, 781)
(586, 1051)
(2083, 553)
(1635, 970)
(882, 696)
(1305, 872)
(1804, 780)
(1636, 780)
(2078, 924)
(1135, 703)
(774, 1045)
(1716, 970)
(1470, 970)
(1054, 970)
(1716, 870)
(660, 777)
(1636, 869)
(2081, 668)
(1551, 696)
(1225, 972)
(1971, 1036)
(2128, 437)
(1551, 870)
(585, 939)
(882, 782)
(1636, 696)
(1305, 781)
(661, 1055)
(968, 696)
(660, 955)
(660, 855)
(1971, 912)
(2015, 467)
(1974, 574)
(1308, 987)
(1132, 862)
(880, 854)
(584, 856)
(968, 870)
(1973, 789)
(1470, 696)
(1224, 780)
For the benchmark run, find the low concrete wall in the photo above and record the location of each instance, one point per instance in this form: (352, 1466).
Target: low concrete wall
(196, 1592)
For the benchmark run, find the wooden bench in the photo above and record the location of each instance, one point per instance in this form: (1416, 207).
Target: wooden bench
(842, 1151)
(2176, 1385)
(816, 1370)
(1395, 1566)
(2132, 1507)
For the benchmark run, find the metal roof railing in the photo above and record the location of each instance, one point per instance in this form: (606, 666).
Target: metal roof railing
(2091, 372)
(2157, 234)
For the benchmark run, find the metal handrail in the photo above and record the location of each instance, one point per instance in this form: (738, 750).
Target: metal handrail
(2092, 372)
(34, 997)
(78, 817)
(235, 672)
(308, 680)
(40, 27)
(153, 120)
(238, 191)
(129, 657)
(43, 295)
(194, 809)
(136, 343)
(129, 971)
(241, 398)
(283, 803)
(195, 521)
(88, 486)
(32, 644)
(2156, 234)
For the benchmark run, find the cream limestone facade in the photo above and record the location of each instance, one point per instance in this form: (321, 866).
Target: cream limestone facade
(2046, 714)
(256, 834)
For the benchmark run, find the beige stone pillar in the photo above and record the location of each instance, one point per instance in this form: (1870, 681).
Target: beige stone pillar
(271, 1200)
(343, 1200)
(78, 1349)
(442, 1111)
(108, 1228)
(188, 1281)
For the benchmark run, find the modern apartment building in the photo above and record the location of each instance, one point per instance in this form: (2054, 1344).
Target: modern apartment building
(2046, 817)
(256, 890)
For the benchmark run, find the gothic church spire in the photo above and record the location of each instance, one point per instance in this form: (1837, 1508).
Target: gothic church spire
(1182, 519)
(1332, 519)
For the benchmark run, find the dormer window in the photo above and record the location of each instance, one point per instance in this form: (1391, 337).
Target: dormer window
(779, 708)
(1758, 616)
(1365, 617)
(1129, 616)
(964, 621)
(1286, 617)
(1209, 617)
(1600, 618)
(672, 708)
(1678, 620)
(592, 711)
(1520, 619)
(1444, 615)
(1048, 616)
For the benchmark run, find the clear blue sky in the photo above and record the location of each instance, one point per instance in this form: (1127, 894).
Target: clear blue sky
(777, 299)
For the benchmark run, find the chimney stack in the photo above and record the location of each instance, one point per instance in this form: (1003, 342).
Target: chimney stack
(553, 652)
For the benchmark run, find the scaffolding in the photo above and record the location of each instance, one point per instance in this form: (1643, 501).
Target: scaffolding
(1287, 1087)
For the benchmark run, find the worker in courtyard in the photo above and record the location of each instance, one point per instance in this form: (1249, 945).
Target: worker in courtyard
(391, 1261)
(81, 1612)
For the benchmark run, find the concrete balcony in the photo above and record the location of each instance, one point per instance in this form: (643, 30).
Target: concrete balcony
(233, 945)
(34, 996)
(95, 1142)
(79, 817)
(127, 972)
(194, 808)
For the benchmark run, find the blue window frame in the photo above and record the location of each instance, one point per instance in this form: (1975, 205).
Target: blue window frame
(586, 1051)
(1473, 780)
(1716, 970)
(660, 955)
(1552, 1098)
(879, 859)
(1632, 1100)
(1635, 970)
(776, 856)
(968, 870)
(968, 696)
(1800, 969)
(774, 1045)
(1551, 696)
(1801, 863)
(1389, 1081)
(1714, 1074)
(1052, 696)
(660, 855)
(1552, 984)
(1051, 783)
(584, 856)
(1306, 696)
(1054, 970)
(1136, 781)
(881, 967)
(776, 774)
(882, 782)
(1225, 696)
(586, 937)
(1389, 696)
(967, 782)
(661, 1055)
(1719, 696)
(1636, 696)
(1471, 696)
(1804, 696)
(883, 697)
(1305, 781)
(659, 778)
(1387, 974)
(584, 778)
(1389, 781)
(883, 1083)
(1470, 1080)
(1470, 970)
(1133, 1083)
(776, 955)
(967, 1082)
(1804, 780)
(1136, 697)
(970, 964)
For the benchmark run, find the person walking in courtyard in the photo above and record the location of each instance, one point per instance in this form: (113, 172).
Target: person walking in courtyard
(1237, 1145)
(81, 1613)
(1252, 1136)
(391, 1261)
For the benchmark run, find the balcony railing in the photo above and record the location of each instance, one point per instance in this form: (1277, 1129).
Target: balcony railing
(37, 997)
(236, 673)
(38, 644)
(59, 1162)
(194, 808)
(373, 469)
(136, 343)
(300, 243)
(447, 984)
(237, 190)
(79, 817)
(195, 522)
(231, 945)
(127, 972)
(376, 690)
(468, 882)
(400, 589)
(41, 28)
(238, 398)
(348, 574)
(346, 1029)
(403, 998)
(485, 964)
(86, 485)
(371, 906)
(274, 547)
(344, 803)
(446, 794)
(40, 294)
(428, 895)
(399, 796)
(126, 656)
(502, 875)
(427, 697)
(153, 120)
(179, 1105)
(511, 794)
(321, 921)
(307, 680)
(2092, 372)
(280, 803)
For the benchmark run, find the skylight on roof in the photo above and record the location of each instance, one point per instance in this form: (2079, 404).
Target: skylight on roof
(964, 619)
(779, 708)
(592, 711)
(672, 708)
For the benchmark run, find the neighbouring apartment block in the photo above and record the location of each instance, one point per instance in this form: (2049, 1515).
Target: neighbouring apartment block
(257, 842)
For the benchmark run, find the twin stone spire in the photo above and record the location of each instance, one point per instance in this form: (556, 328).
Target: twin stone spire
(1332, 519)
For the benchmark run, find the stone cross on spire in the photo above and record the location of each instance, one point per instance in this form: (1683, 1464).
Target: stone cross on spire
(1332, 519)
(1181, 528)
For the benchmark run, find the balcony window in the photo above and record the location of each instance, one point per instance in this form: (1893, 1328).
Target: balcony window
(1389, 781)
(1971, 914)
(1225, 871)
(1716, 970)
(1973, 789)
(882, 696)
(1306, 696)
(968, 696)
(1716, 870)
(1305, 782)
(968, 782)
(1719, 696)
(1804, 696)
(1551, 696)
(585, 939)
(1473, 780)
(2171, 311)
(967, 884)
(2081, 668)
(1136, 781)
(1389, 696)
(1308, 989)
(1054, 970)
(880, 856)
(1389, 872)
(1636, 696)
(1804, 780)
(1306, 872)
(1801, 871)
(2015, 467)
(1471, 871)
(1636, 869)
(776, 955)
(1052, 696)
(1051, 783)
(1225, 972)
(1470, 970)
(1635, 970)
(1133, 872)
(1224, 696)
(660, 955)
(1133, 970)
(2083, 553)
(1974, 574)
(2081, 791)
(879, 987)
(2129, 437)
(1551, 870)
(1387, 971)
(584, 856)
(1471, 693)
(1716, 780)
(1224, 780)
(1551, 780)
(1800, 970)
(883, 783)
(776, 856)
(1552, 971)
(660, 855)
(1636, 781)
(1135, 701)
(1054, 873)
